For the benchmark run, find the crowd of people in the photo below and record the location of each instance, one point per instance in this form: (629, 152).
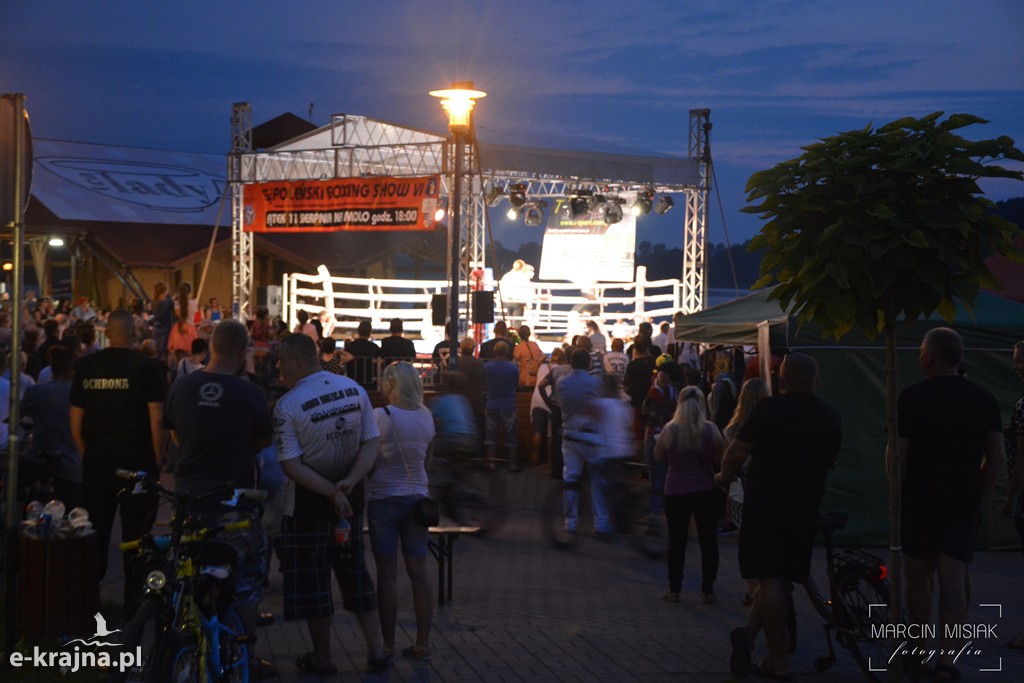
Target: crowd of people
(173, 386)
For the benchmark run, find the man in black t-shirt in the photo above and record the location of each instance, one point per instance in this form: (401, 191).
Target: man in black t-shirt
(951, 451)
(116, 421)
(220, 421)
(363, 368)
(793, 441)
(397, 347)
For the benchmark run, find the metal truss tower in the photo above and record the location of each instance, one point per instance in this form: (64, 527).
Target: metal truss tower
(694, 280)
(241, 241)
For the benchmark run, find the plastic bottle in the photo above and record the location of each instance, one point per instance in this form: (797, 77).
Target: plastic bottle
(343, 533)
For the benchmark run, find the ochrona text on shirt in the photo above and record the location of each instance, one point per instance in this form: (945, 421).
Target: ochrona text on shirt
(106, 383)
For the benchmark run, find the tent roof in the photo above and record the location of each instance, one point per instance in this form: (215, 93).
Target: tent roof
(993, 323)
(416, 151)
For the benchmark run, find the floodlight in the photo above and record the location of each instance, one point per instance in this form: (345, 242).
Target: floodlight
(642, 203)
(664, 204)
(494, 195)
(612, 214)
(439, 214)
(517, 195)
(534, 213)
(612, 210)
(513, 213)
(56, 242)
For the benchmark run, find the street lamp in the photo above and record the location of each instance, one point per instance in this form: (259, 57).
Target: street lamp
(457, 101)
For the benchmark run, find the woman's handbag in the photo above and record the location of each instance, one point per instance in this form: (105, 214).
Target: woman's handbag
(426, 512)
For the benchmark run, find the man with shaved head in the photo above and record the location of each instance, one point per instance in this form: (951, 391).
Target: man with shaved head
(116, 419)
(950, 451)
(792, 440)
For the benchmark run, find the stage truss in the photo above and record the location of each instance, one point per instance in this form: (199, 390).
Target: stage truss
(358, 146)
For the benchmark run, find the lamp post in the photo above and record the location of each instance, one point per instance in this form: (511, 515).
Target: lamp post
(457, 101)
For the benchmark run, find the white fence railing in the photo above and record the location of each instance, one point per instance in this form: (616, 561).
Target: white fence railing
(556, 309)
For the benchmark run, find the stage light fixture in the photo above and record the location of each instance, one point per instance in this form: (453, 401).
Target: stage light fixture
(494, 195)
(664, 204)
(513, 213)
(580, 203)
(517, 195)
(611, 211)
(642, 203)
(534, 213)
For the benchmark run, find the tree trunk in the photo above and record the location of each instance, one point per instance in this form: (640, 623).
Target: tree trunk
(895, 494)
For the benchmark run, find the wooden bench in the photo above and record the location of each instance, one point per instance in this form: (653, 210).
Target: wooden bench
(440, 543)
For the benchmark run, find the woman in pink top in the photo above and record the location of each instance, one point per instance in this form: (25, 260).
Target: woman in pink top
(693, 447)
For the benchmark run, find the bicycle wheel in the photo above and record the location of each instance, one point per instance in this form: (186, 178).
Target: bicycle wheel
(863, 608)
(145, 630)
(234, 655)
(183, 663)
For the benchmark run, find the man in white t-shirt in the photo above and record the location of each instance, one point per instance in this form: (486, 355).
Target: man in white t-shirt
(327, 441)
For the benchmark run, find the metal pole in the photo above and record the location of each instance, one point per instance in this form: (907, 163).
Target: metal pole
(454, 235)
(17, 227)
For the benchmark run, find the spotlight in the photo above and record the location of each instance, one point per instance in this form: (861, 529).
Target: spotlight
(664, 204)
(642, 203)
(535, 213)
(580, 203)
(612, 210)
(513, 213)
(439, 214)
(494, 195)
(517, 195)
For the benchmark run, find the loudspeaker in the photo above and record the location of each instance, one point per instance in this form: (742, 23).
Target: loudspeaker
(438, 309)
(483, 307)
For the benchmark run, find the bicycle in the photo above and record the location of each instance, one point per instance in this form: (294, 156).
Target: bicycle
(857, 605)
(186, 624)
(628, 493)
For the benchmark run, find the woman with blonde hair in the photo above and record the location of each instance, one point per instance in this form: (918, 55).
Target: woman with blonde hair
(693, 447)
(753, 391)
(400, 478)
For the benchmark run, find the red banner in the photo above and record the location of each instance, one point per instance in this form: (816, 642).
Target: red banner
(378, 203)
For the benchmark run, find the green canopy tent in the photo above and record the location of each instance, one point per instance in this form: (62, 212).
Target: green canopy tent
(853, 380)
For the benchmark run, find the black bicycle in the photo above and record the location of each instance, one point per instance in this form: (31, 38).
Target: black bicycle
(856, 607)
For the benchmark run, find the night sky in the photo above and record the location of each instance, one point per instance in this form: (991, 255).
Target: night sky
(613, 76)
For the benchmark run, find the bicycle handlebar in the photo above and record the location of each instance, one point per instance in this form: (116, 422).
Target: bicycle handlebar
(196, 536)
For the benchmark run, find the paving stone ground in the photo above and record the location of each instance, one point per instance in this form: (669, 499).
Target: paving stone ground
(525, 611)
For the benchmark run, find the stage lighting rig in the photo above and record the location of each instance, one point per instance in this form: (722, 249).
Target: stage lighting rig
(493, 195)
(517, 195)
(642, 203)
(534, 213)
(664, 204)
(612, 210)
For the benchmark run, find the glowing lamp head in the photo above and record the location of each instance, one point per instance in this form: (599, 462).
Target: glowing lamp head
(458, 102)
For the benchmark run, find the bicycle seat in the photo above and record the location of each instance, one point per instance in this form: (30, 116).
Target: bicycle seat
(831, 521)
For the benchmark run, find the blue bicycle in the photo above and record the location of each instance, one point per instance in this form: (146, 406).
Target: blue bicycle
(186, 623)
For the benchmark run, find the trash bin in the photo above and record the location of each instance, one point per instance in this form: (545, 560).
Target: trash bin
(58, 586)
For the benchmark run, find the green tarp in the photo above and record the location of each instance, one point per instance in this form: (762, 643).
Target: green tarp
(853, 380)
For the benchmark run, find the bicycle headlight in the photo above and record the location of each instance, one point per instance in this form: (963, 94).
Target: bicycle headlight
(155, 581)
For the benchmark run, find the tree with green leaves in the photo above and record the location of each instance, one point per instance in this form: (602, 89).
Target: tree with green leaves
(871, 227)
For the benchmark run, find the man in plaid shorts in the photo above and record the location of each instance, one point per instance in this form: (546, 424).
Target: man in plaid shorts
(327, 441)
